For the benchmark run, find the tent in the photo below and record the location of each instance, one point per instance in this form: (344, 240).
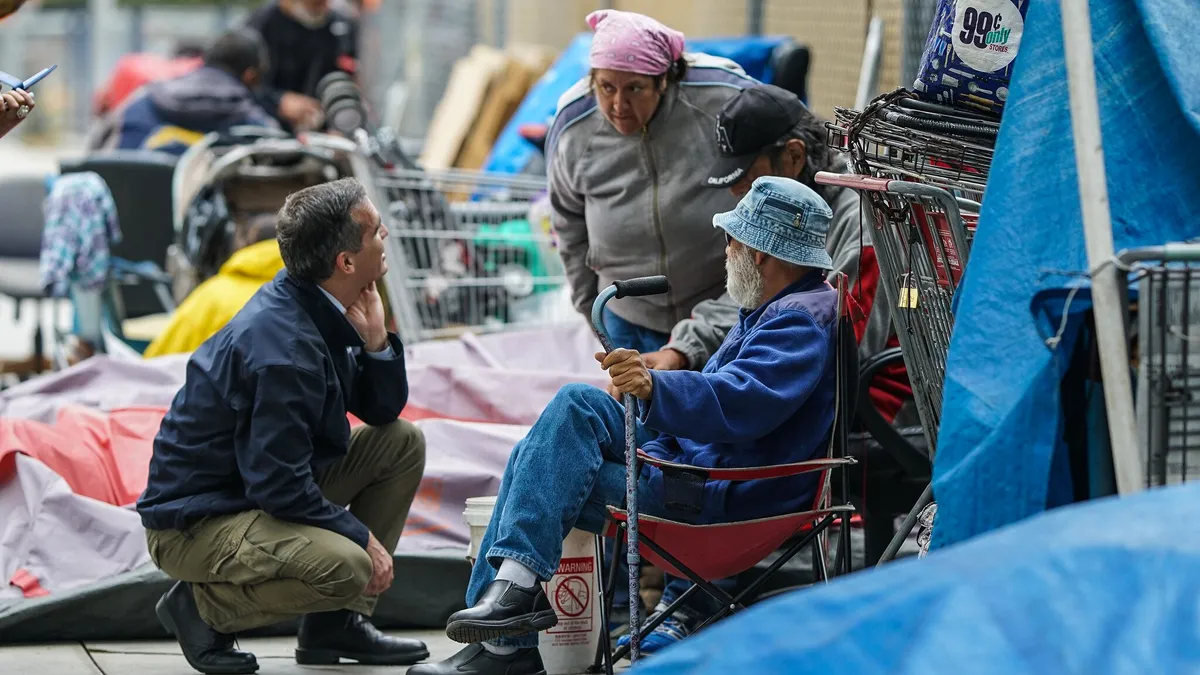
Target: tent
(1101, 588)
(74, 454)
(1001, 454)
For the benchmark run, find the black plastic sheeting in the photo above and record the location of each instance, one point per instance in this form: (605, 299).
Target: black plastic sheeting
(427, 589)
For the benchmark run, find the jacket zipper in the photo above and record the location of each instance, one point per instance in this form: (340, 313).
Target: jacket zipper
(658, 230)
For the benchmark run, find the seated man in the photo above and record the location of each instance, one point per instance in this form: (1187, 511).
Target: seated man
(766, 131)
(766, 397)
(256, 458)
(171, 115)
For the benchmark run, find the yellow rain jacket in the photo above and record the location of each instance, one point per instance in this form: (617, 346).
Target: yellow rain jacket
(213, 303)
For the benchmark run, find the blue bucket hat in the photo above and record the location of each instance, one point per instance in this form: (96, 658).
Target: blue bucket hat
(783, 218)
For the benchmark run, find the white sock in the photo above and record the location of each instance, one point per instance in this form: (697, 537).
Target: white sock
(499, 650)
(511, 570)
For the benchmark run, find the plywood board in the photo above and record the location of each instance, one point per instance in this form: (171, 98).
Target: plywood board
(525, 64)
(459, 106)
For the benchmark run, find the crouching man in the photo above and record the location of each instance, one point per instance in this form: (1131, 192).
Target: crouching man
(765, 397)
(255, 460)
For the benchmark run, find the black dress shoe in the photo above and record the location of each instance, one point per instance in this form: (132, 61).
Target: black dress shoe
(328, 637)
(505, 610)
(205, 649)
(475, 660)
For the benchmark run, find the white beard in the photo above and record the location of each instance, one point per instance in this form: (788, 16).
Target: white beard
(743, 279)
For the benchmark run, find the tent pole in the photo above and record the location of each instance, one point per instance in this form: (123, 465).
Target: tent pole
(1107, 279)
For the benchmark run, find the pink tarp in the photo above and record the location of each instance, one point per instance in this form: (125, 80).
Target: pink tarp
(474, 399)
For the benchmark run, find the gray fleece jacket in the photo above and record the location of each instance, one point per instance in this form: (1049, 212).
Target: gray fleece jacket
(632, 206)
(849, 244)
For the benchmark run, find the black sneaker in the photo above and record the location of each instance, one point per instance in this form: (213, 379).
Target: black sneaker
(505, 610)
(475, 660)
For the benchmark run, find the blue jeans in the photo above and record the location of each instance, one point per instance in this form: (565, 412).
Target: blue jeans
(628, 335)
(564, 474)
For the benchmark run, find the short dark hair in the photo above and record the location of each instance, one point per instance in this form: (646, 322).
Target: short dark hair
(817, 157)
(316, 224)
(237, 51)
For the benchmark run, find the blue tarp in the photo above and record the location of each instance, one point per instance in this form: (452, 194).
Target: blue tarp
(1001, 422)
(511, 153)
(1102, 588)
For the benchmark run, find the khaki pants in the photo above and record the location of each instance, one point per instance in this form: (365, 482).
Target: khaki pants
(249, 569)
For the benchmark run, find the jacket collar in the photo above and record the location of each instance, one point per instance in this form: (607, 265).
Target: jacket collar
(809, 282)
(666, 106)
(334, 327)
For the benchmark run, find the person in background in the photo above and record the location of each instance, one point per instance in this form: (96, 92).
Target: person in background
(15, 106)
(171, 115)
(768, 396)
(211, 305)
(255, 461)
(306, 40)
(767, 131)
(621, 156)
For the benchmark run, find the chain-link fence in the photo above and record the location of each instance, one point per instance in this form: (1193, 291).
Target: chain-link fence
(412, 46)
(409, 47)
(86, 48)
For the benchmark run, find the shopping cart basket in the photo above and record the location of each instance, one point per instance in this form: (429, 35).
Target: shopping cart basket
(467, 253)
(902, 138)
(1168, 355)
(922, 237)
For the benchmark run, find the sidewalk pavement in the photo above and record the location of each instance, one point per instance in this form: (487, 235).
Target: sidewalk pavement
(162, 657)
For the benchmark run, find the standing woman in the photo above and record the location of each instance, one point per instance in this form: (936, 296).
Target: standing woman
(627, 153)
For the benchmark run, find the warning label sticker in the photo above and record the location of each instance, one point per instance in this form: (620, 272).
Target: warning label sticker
(570, 592)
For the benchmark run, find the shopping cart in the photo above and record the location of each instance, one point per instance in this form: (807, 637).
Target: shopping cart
(469, 252)
(1168, 356)
(923, 168)
(922, 237)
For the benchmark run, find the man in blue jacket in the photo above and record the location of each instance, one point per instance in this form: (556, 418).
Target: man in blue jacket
(765, 397)
(255, 460)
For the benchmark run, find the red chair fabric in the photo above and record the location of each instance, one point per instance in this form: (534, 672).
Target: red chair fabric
(717, 551)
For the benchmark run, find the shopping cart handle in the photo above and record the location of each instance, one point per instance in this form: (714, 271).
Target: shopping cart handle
(630, 288)
(852, 180)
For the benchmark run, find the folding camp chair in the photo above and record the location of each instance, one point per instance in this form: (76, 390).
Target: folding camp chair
(704, 553)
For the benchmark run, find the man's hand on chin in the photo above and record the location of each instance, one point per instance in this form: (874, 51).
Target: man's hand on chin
(366, 315)
(628, 372)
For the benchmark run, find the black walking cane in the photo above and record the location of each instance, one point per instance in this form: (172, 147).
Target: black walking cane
(622, 289)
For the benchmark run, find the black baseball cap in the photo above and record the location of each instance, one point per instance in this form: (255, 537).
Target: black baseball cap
(755, 119)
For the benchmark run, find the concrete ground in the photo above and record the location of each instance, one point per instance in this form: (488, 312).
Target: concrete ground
(164, 658)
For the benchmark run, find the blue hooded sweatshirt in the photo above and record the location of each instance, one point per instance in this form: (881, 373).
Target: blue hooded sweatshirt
(766, 397)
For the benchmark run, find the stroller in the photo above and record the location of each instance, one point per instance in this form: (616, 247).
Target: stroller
(225, 181)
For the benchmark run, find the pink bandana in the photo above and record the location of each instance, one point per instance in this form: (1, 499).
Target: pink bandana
(633, 43)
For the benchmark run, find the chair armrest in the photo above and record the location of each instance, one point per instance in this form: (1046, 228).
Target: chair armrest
(129, 273)
(912, 460)
(752, 472)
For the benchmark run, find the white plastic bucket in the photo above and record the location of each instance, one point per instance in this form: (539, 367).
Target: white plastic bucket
(574, 591)
(477, 516)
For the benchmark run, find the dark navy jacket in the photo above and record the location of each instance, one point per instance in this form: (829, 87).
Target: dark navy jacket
(766, 397)
(171, 115)
(263, 406)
